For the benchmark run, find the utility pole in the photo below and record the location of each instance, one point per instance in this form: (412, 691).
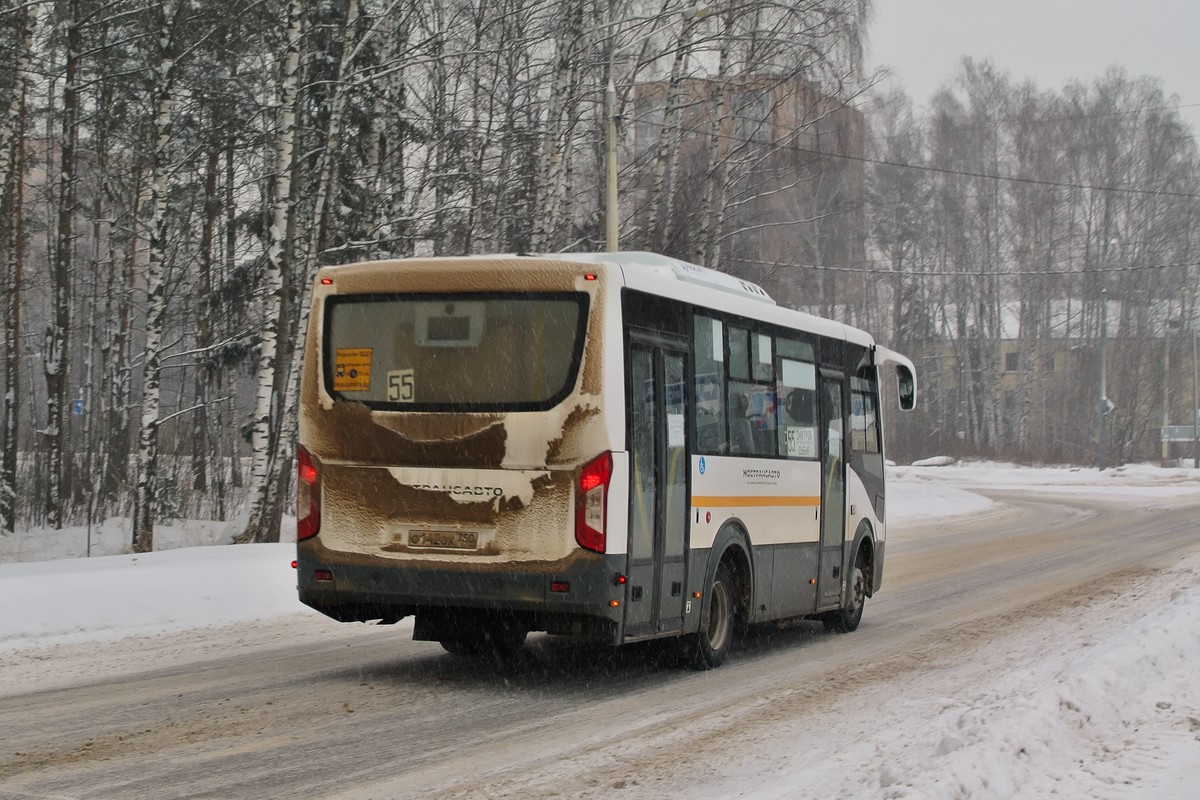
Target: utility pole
(1165, 461)
(1195, 399)
(1103, 406)
(611, 204)
(611, 244)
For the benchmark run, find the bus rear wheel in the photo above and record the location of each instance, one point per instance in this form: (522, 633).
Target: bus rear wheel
(846, 618)
(711, 644)
(498, 639)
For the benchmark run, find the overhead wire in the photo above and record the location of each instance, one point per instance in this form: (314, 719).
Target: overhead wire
(1133, 190)
(973, 274)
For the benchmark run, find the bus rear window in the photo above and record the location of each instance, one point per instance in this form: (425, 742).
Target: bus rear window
(435, 352)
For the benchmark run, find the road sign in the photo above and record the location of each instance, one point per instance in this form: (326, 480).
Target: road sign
(1178, 433)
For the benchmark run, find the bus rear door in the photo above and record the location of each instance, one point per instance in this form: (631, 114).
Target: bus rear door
(658, 506)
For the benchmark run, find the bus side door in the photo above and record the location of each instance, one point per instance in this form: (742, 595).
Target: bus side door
(658, 505)
(833, 491)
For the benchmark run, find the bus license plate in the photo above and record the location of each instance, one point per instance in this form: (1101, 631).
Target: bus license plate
(444, 540)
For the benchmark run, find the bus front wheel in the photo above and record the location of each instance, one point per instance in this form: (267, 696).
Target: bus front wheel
(711, 644)
(846, 619)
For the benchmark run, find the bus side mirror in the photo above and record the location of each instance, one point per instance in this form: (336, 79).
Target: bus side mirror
(907, 386)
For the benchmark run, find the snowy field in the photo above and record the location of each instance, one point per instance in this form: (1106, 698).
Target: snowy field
(1104, 704)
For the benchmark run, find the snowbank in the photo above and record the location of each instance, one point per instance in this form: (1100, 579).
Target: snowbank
(114, 596)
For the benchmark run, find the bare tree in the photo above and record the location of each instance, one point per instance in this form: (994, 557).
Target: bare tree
(56, 352)
(263, 522)
(165, 14)
(12, 127)
(552, 178)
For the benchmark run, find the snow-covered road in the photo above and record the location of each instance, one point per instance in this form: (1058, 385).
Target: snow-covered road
(1038, 641)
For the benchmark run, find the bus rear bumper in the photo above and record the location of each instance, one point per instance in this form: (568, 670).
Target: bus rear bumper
(573, 597)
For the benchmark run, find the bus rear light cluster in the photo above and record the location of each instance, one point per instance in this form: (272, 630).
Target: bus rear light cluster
(308, 496)
(591, 507)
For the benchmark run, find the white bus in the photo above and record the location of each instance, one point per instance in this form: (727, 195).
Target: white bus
(619, 446)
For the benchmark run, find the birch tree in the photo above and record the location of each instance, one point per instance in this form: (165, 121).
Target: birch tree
(12, 127)
(289, 359)
(164, 14)
(898, 200)
(56, 349)
(552, 177)
(263, 523)
(707, 249)
(1038, 231)
(194, 186)
(10, 130)
(669, 136)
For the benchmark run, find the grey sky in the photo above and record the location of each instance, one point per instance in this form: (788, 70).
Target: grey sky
(1050, 41)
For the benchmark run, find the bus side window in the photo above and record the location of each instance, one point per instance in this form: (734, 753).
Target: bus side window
(741, 434)
(708, 411)
(739, 354)
(864, 431)
(751, 419)
(864, 424)
(797, 391)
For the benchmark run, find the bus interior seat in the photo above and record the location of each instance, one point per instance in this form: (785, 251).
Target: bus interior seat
(741, 437)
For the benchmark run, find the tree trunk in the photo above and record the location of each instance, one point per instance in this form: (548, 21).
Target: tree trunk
(550, 184)
(12, 203)
(113, 364)
(57, 353)
(717, 151)
(668, 137)
(263, 524)
(286, 435)
(145, 500)
(204, 326)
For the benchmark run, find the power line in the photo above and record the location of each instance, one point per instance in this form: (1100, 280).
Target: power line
(874, 100)
(968, 273)
(1005, 178)
(943, 170)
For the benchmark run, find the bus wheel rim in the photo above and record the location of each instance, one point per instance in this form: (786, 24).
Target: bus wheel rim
(858, 591)
(718, 616)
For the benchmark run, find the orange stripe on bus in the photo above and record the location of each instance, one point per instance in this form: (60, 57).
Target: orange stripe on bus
(752, 502)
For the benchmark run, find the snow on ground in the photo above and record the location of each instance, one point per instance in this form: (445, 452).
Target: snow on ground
(1109, 707)
(65, 597)
(1102, 705)
(942, 487)
(111, 537)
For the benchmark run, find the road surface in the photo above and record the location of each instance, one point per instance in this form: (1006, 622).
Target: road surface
(310, 708)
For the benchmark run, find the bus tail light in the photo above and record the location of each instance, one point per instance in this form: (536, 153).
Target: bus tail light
(591, 503)
(308, 496)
